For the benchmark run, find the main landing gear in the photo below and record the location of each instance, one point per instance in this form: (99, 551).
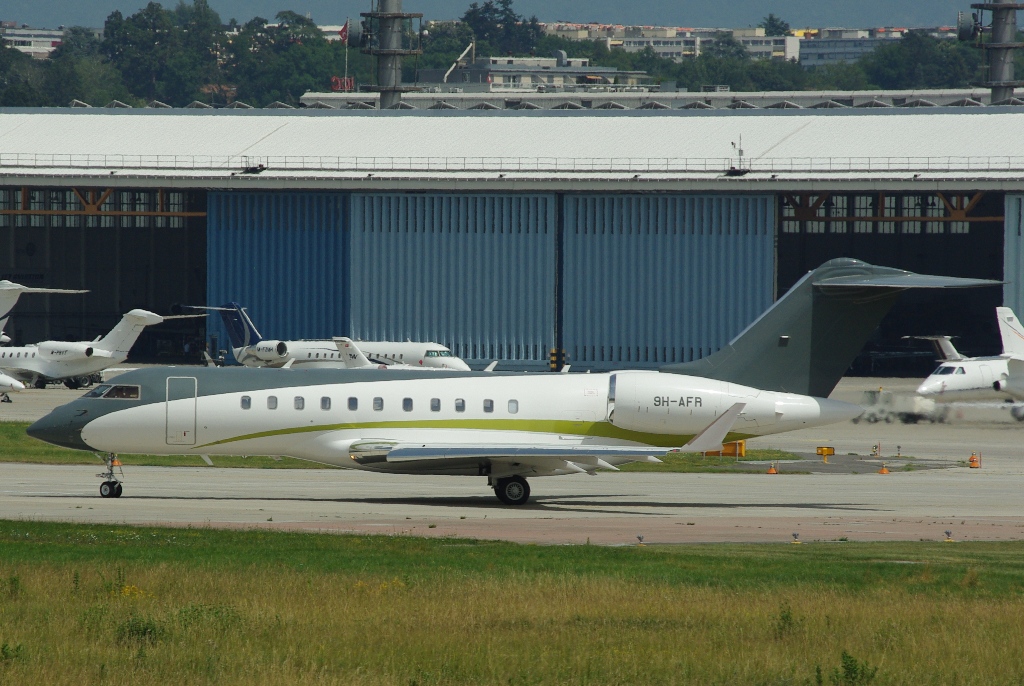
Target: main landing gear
(111, 486)
(512, 490)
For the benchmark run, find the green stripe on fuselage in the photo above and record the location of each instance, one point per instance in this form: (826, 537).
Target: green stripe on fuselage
(564, 427)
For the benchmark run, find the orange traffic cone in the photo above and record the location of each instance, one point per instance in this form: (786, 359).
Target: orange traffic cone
(772, 469)
(974, 462)
(883, 470)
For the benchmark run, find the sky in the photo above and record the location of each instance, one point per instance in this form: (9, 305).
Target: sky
(705, 13)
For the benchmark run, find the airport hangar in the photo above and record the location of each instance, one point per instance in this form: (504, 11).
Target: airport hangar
(624, 238)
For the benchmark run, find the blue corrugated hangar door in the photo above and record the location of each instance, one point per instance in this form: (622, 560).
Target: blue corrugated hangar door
(473, 272)
(282, 255)
(656, 279)
(1013, 254)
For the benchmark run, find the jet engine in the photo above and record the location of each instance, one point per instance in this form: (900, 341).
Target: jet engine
(1011, 387)
(9, 385)
(270, 351)
(59, 350)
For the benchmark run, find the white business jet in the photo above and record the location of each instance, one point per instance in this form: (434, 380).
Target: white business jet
(505, 427)
(961, 378)
(251, 350)
(72, 362)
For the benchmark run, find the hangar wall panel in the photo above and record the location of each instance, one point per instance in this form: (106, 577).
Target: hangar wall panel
(282, 255)
(1013, 254)
(473, 272)
(655, 279)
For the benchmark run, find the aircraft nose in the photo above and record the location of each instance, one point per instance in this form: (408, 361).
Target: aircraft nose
(61, 427)
(459, 365)
(926, 388)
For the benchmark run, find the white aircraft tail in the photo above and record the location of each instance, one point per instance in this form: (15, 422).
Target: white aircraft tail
(350, 353)
(10, 292)
(944, 348)
(122, 337)
(1011, 332)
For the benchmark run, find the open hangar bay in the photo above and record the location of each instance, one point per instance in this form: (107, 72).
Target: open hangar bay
(624, 239)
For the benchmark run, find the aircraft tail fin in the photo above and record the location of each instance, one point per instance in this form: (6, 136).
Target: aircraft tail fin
(1011, 332)
(241, 330)
(944, 348)
(122, 337)
(10, 292)
(351, 355)
(806, 341)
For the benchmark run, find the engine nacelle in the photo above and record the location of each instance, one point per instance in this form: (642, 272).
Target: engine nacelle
(666, 403)
(60, 350)
(9, 384)
(1012, 387)
(270, 351)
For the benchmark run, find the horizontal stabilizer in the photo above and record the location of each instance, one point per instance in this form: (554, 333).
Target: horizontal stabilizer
(944, 347)
(901, 279)
(712, 437)
(8, 286)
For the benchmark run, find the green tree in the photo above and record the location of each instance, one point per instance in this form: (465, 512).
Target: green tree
(726, 47)
(496, 23)
(774, 26)
(20, 80)
(920, 61)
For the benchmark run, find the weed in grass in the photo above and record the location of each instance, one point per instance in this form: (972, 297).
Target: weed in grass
(137, 630)
(9, 653)
(785, 623)
(971, 578)
(14, 586)
(76, 582)
(851, 672)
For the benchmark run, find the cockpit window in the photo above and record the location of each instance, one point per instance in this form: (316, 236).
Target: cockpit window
(98, 391)
(943, 371)
(123, 393)
(960, 370)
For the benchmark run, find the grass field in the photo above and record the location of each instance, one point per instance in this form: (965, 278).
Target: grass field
(17, 446)
(119, 605)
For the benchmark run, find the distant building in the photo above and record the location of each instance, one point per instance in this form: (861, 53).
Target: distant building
(38, 43)
(678, 42)
(538, 74)
(832, 46)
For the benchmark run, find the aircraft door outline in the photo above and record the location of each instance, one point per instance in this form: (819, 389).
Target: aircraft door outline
(181, 410)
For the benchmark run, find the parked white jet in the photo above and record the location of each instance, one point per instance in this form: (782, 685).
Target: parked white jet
(251, 350)
(72, 362)
(505, 426)
(9, 294)
(961, 378)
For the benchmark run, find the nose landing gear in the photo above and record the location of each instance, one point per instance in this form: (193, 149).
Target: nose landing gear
(111, 486)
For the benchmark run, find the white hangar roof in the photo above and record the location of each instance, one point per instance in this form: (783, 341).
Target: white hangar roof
(692, 150)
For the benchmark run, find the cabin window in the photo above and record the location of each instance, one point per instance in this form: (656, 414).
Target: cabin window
(300, 402)
(123, 393)
(325, 403)
(513, 406)
(271, 402)
(246, 402)
(435, 404)
(98, 391)
(407, 404)
(353, 404)
(460, 405)
(488, 406)
(378, 404)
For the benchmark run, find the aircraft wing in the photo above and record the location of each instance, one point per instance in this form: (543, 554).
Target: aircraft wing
(580, 459)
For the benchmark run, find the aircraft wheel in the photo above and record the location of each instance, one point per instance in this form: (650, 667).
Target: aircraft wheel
(512, 490)
(107, 489)
(118, 490)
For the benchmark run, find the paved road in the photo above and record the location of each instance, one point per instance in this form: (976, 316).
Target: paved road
(606, 509)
